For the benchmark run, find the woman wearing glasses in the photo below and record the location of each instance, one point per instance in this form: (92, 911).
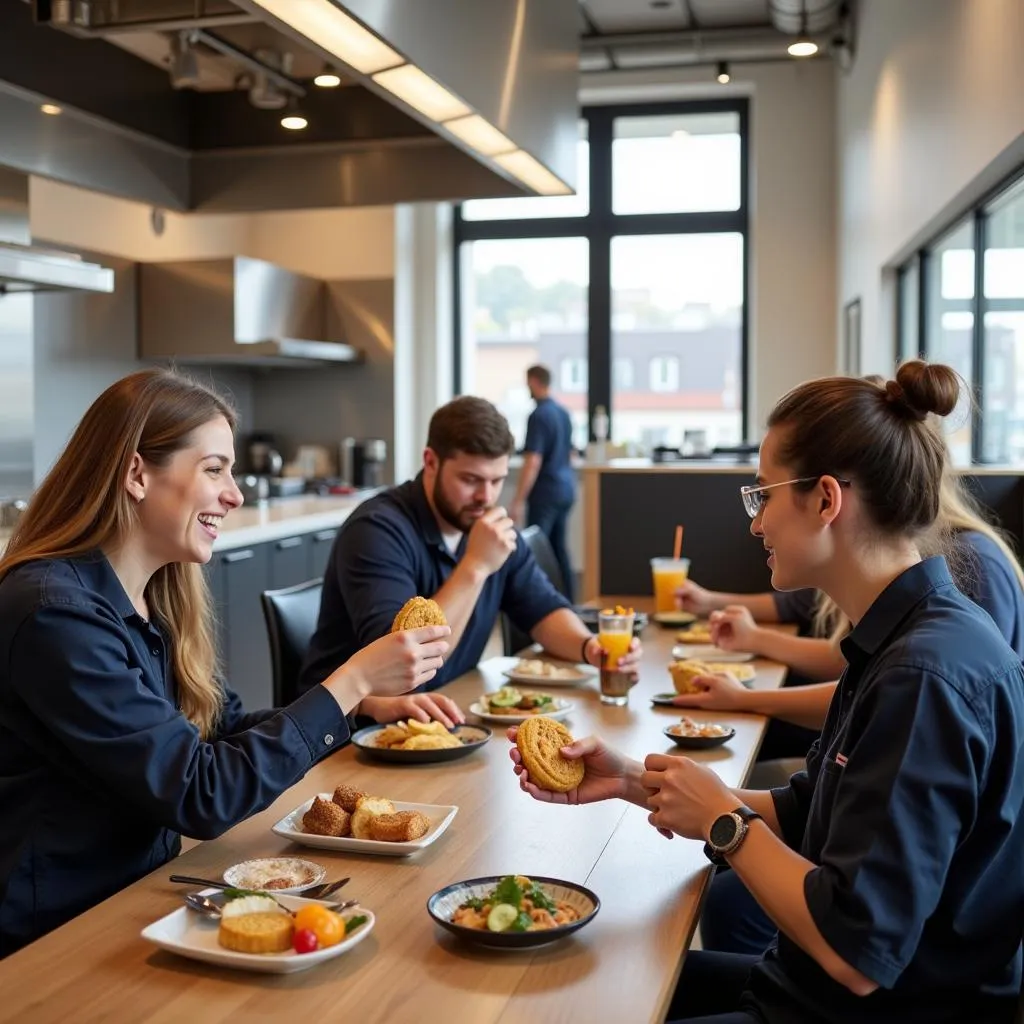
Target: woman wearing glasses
(891, 866)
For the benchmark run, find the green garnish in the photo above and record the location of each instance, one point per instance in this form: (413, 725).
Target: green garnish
(237, 894)
(352, 923)
(508, 890)
(474, 903)
(521, 923)
(541, 899)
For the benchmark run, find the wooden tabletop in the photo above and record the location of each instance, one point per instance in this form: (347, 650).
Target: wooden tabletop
(622, 966)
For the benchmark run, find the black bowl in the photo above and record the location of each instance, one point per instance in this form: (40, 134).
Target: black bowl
(443, 903)
(699, 742)
(473, 737)
(589, 617)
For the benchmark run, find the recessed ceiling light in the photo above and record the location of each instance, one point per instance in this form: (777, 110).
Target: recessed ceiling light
(294, 122)
(51, 108)
(327, 80)
(723, 75)
(802, 46)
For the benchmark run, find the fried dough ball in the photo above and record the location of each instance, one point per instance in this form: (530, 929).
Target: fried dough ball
(401, 827)
(347, 797)
(326, 818)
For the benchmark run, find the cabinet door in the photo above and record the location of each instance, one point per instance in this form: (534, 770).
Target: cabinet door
(319, 551)
(246, 576)
(289, 561)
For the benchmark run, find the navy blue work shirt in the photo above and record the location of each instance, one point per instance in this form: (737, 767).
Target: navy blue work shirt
(797, 606)
(549, 435)
(99, 770)
(390, 550)
(911, 809)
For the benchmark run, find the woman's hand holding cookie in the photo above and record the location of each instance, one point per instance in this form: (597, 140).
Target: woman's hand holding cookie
(605, 776)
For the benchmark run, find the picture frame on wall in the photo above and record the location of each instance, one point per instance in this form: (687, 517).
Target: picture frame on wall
(851, 338)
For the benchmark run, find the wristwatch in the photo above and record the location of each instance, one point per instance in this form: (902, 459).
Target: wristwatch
(728, 832)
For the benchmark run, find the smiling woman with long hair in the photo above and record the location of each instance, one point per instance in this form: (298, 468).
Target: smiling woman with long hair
(891, 866)
(116, 733)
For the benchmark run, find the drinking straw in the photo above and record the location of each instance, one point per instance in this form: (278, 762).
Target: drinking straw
(678, 546)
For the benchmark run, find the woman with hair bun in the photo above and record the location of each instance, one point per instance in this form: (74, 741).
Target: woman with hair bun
(892, 865)
(116, 735)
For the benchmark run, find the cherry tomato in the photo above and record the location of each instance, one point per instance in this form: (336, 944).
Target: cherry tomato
(305, 941)
(328, 926)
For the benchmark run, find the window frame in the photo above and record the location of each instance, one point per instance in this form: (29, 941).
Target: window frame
(977, 216)
(601, 224)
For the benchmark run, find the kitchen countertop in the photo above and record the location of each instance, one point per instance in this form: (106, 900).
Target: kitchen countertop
(281, 517)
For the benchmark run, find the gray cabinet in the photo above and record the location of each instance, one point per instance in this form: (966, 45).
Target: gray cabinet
(246, 648)
(289, 561)
(320, 550)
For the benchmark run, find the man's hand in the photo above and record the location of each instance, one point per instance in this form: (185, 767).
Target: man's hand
(424, 707)
(491, 541)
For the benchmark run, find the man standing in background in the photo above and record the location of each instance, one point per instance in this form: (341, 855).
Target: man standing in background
(547, 483)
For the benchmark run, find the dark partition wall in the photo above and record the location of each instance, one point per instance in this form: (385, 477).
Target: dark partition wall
(639, 513)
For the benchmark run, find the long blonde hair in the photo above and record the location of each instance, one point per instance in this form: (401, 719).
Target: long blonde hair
(958, 512)
(83, 505)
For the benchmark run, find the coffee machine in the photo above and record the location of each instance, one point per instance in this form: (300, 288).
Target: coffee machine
(363, 461)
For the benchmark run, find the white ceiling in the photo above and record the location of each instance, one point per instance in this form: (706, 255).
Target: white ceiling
(607, 16)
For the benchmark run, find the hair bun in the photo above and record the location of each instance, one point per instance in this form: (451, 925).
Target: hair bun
(921, 388)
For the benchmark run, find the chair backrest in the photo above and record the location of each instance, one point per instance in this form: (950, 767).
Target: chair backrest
(291, 615)
(513, 639)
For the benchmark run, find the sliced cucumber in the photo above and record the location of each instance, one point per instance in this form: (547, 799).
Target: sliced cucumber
(502, 917)
(506, 697)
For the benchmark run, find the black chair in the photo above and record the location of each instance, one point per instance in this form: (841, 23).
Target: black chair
(513, 639)
(291, 615)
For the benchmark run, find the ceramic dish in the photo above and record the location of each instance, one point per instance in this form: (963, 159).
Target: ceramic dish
(675, 619)
(708, 652)
(440, 816)
(191, 935)
(559, 673)
(559, 709)
(700, 742)
(473, 737)
(443, 904)
(269, 872)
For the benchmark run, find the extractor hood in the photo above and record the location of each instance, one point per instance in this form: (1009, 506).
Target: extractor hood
(238, 311)
(25, 268)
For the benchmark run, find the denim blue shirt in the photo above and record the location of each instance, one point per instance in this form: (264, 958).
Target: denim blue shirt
(549, 434)
(390, 550)
(910, 808)
(99, 770)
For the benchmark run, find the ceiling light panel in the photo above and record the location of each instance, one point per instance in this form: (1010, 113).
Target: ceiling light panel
(478, 133)
(334, 31)
(532, 173)
(422, 93)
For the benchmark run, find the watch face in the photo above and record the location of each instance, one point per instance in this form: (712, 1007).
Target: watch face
(723, 830)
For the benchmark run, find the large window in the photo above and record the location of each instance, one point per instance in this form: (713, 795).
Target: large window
(631, 292)
(961, 302)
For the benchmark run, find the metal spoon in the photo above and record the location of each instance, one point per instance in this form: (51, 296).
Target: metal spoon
(205, 906)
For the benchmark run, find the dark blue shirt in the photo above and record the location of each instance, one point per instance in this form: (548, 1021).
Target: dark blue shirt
(911, 808)
(99, 769)
(390, 550)
(549, 434)
(797, 606)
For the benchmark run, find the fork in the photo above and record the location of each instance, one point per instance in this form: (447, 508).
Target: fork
(313, 893)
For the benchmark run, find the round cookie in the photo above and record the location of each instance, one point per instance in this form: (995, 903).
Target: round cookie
(540, 741)
(419, 611)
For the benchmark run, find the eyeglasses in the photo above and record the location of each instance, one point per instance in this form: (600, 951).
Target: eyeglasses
(754, 499)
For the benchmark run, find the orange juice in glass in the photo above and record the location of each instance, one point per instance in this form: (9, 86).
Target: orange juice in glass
(615, 634)
(669, 575)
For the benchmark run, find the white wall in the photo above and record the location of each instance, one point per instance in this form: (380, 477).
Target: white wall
(793, 209)
(931, 116)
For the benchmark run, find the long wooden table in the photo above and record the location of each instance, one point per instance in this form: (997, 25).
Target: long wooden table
(623, 966)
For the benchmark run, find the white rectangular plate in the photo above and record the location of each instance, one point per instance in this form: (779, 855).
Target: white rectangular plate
(709, 652)
(440, 815)
(189, 934)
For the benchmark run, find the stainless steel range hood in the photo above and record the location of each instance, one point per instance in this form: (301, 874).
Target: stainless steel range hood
(25, 268)
(239, 311)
